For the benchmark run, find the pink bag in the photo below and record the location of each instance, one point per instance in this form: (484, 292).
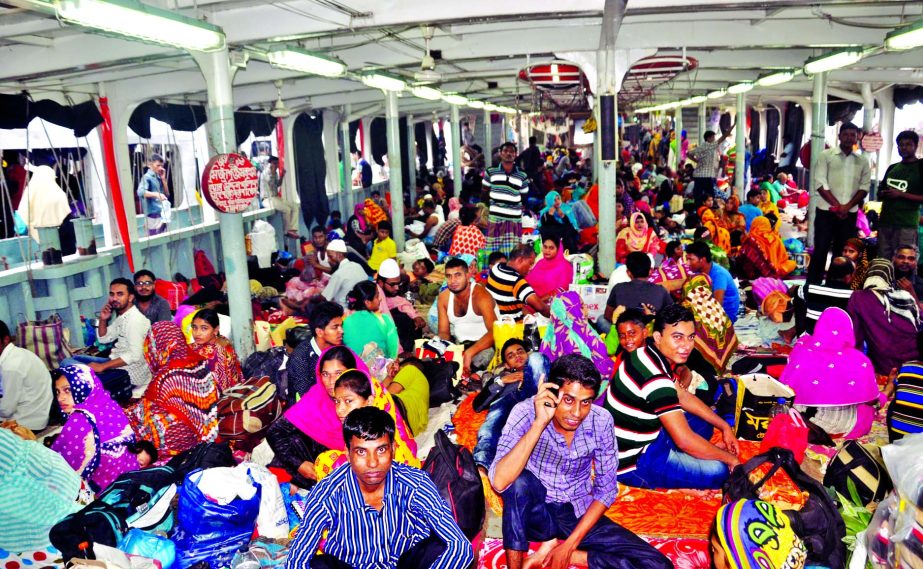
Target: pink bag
(765, 285)
(787, 431)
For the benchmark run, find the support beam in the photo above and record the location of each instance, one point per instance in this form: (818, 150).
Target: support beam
(395, 176)
(740, 175)
(346, 161)
(678, 133)
(818, 125)
(216, 68)
(456, 151)
(702, 112)
(488, 137)
(411, 152)
(868, 120)
(885, 99)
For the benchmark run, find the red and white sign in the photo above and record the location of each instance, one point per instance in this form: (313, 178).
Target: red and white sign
(871, 142)
(230, 182)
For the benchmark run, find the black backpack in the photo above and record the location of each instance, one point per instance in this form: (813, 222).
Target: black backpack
(441, 377)
(818, 523)
(455, 475)
(267, 364)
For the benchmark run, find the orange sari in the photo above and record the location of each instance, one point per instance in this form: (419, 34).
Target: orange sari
(770, 245)
(719, 235)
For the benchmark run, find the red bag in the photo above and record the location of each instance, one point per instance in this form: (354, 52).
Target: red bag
(203, 266)
(174, 293)
(787, 431)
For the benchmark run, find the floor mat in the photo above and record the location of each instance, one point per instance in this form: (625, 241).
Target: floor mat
(684, 553)
(40, 559)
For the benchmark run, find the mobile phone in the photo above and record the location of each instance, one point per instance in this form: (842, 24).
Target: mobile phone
(553, 391)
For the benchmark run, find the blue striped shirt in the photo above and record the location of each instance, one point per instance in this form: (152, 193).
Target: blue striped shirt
(365, 538)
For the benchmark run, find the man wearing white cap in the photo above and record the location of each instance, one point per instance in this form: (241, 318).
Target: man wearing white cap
(346, 273)
(408, 321)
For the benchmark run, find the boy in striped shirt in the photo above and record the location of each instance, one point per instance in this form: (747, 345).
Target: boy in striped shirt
(663, 432)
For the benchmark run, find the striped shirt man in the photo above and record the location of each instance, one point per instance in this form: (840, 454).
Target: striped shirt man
(905, 415)
(813, 299)
(641, 392)
(364, 538)
(509, 289)
(507, 190)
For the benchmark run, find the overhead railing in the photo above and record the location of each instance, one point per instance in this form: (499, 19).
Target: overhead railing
(906, 37)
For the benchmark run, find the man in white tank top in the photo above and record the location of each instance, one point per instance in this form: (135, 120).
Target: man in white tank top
(466, 316)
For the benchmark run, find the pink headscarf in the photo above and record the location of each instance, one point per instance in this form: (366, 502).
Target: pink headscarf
(315, 414)
(826, 370)
(547, 276)
(454, 207)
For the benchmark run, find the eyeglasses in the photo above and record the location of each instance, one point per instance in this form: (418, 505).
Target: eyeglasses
(144, 283)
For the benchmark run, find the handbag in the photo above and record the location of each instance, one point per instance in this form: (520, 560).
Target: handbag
(756, 394)
(47, 339)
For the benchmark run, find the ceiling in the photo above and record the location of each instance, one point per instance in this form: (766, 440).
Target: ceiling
(483, 47)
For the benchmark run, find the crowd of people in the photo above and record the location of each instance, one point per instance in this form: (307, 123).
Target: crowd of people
(626, 395)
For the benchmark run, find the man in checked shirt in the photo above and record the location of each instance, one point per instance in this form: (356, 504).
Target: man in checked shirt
(555, 468)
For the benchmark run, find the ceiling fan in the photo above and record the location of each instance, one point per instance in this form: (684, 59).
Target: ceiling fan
(278, 109)
(427, 72)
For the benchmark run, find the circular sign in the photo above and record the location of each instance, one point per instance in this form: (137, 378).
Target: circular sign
(230, 183)
(871, 142)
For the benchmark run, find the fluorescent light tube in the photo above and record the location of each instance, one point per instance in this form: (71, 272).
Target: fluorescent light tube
(740, 88)
(907, 37)
(383, 82)
(476, 104)
(717, 94)
(134, 20)
(428, 93)
(775, 78)
(297, 59)
(832, 60)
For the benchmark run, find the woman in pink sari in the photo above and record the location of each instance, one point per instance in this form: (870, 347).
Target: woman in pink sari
(553, 273)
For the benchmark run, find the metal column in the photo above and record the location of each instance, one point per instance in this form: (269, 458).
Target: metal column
(456, 151)
(216, 68)
(818, 125)
(488, 136)
(740, 174)
(395, 176)
(607, 169)
(411, 152)
(678, 132)
(702, 111)
(346, 179)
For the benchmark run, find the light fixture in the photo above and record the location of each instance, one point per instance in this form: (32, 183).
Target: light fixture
(717, 94)
(383, 82)
(832, 60)
(135, 20)
(455, 99)
(907, 37)
(739, 88)
(297, 59)
(776, 78)
(476, 104)
(697, 100)
(491, 107)
(424, 92)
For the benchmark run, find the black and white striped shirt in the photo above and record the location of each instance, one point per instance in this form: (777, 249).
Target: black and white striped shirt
(506, 192)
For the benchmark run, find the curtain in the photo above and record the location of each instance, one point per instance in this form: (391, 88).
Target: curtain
(311, 168)
(378, 130)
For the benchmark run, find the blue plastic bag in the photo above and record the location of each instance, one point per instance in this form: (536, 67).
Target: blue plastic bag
(149, 545)
(209, 531)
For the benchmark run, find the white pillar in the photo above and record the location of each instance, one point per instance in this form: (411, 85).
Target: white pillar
(818, 126)
(411, 152)
(678, 130)
(702, 111)
(456, 150)
(430, 157)
(885, 99)
(216, 68)
(740, 176)
(488, 137)
(395, 176)
(606, 85)
(346, 183)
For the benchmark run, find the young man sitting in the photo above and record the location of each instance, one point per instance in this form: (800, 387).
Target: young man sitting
(466, 315)
(377, 513)
(663, 430)
(555, 468)
(517, 380)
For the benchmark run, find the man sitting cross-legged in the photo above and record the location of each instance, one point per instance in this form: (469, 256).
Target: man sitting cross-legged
(556, 470)
(378, 513)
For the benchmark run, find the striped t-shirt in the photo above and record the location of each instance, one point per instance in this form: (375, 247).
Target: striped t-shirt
(506, 192)
(905, 415)
(641, 392)
(509, 290)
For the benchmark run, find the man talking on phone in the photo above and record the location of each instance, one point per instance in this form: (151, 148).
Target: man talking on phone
(124, 373)
(556, 470)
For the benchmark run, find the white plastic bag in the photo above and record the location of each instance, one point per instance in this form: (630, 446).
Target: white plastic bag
(263, 242)
(272, 521)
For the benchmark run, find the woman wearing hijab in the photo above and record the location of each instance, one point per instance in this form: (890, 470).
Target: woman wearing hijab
(638, 236)
(834, 383)
(358, 230)
(96, 434)
(570, 332)
(752, 534)
(354, 389)
(886, 319)
(180, 406)
(310, 426)
(731, 218)
(715, 339)
(855, 251)
(553, 273)
(763, 254)
(719, 235)
(555, 218)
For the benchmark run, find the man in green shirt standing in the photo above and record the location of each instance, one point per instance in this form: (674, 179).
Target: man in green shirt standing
(901, 196)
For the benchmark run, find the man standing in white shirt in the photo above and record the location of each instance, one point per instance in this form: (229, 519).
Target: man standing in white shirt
(127, 332)
(842, 180)
(25, 385)
(271, 196)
